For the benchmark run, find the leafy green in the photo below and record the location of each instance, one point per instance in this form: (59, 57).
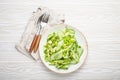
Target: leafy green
(62, 49)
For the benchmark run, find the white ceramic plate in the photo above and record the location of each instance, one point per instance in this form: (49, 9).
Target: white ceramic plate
(81, 41)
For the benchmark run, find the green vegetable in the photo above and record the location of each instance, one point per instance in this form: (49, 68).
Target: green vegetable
(62, 49)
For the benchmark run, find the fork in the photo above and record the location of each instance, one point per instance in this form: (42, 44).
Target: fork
(36, 40)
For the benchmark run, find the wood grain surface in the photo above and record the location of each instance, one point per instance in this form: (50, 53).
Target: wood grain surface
(99, 20)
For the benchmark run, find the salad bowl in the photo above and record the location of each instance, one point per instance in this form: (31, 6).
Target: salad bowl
(81, 40)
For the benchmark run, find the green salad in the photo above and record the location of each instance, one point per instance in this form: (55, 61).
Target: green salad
(61, 49)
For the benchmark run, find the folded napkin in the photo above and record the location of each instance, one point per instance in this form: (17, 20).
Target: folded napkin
(30, 30)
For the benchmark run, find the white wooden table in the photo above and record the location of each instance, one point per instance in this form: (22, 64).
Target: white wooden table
(99, 20)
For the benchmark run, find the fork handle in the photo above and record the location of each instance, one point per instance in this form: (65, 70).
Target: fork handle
(37, 43)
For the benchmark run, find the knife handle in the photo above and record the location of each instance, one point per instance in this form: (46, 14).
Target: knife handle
(37, 43)
(33, 44)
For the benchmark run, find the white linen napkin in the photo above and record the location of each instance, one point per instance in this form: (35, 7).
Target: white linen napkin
(29, 32)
